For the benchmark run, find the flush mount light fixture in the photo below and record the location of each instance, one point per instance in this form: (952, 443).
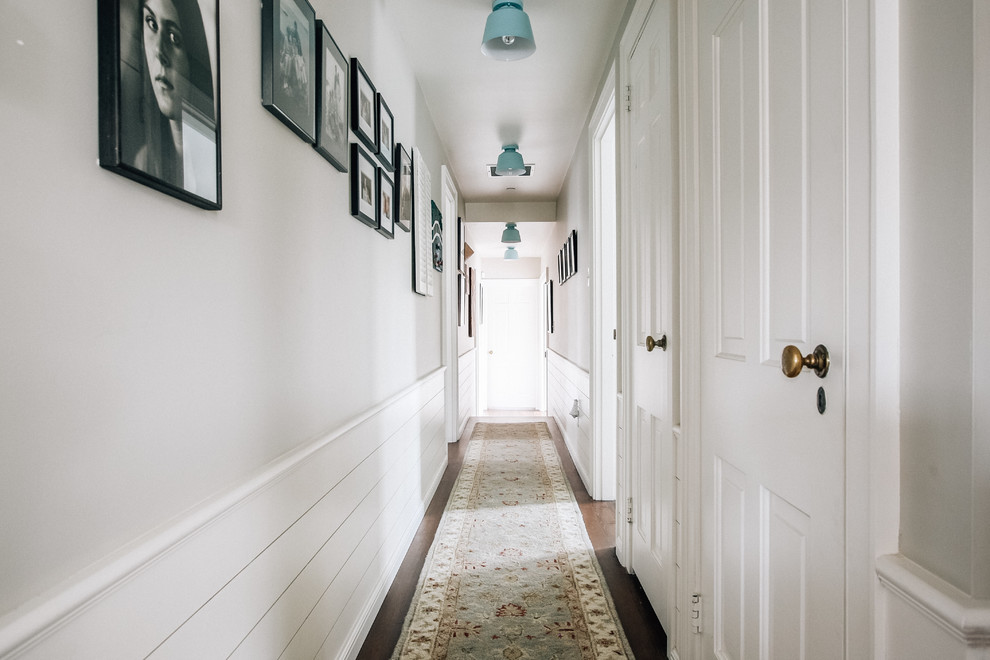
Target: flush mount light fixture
(510, 162)
(508, 34)
(510, 253)
(510, 234)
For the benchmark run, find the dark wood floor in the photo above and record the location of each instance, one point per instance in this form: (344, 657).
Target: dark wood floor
(646, 636)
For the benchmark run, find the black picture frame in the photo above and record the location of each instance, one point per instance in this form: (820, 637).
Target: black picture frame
(138, 116)
(404, 191)
(364, 106)
(386, 204)
(560, 266)
(549, 286)
(460, 244)
(385, 134)
(574, 251)
(288, 64)
(332, 100)
(364, 186)
(436, 230)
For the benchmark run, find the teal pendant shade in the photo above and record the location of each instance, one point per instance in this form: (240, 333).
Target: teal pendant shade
(508, 34)
(510, 253)
(510, 162)
(510, 234)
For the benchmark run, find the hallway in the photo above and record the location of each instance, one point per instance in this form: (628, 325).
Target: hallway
(643, 630)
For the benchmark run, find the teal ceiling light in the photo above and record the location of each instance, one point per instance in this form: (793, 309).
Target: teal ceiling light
(510, 162)
(510, 234)
(510, 253)
(508, 34)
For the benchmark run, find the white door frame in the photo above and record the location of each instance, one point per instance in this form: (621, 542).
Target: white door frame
(604, 385)
(448, 208)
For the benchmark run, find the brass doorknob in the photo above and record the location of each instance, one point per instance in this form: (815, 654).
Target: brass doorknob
(791, 361)
(652, 343)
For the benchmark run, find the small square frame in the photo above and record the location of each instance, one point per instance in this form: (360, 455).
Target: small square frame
(385, 134)
(364, 118)
(364, 182)
(386, 204)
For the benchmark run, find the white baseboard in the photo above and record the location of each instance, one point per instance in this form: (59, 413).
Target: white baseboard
(922, 616)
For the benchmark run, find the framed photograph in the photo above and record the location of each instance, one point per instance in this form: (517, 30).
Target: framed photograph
(403, 188)
(331, 102)
(364, 180)
(386, 204)
(549, 296)
(574, 251)
(460, 244)
(363, 100)
(436, 230)
(385, 135)
(460, 299)
(560, 266)
(288, 64)
(159, 116)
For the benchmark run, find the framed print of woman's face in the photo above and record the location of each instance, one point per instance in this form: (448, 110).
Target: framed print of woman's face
(159, 98)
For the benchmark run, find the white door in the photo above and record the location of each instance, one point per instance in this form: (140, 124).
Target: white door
(773, 195)
(650, 254)
(513, 315)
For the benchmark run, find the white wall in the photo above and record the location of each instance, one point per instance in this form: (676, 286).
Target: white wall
(944, 501)
(571, 337)
(156, 356)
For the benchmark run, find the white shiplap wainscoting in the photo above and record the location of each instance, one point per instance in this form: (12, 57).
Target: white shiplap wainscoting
(566, 382)
(921, 616)
(467, 401)
(294, 561)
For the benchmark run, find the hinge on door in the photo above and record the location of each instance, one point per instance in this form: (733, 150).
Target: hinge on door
(628, 98)
(628, 509)
(696, 613)
(614, 333)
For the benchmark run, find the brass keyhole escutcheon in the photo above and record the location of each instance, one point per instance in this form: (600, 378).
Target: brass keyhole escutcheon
(652, 343)
(791, 361)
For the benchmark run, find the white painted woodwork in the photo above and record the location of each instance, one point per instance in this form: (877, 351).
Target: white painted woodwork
(649, 180)
(513, 320)
(467, 400)
(295, 560)
(773, 214)
(567, 382)
(605, 318)
(451, 337)
(921, 616)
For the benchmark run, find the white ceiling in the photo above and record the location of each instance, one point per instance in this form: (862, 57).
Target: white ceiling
(478, 104)
(485, 238)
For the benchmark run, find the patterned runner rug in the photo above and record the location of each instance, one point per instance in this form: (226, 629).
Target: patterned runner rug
(512, 573)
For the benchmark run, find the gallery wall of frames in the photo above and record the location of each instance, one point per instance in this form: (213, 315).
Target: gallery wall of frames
(160, 123)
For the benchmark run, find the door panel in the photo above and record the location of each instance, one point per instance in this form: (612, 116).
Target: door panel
(649, 237)
(515, 361)
(772, 226)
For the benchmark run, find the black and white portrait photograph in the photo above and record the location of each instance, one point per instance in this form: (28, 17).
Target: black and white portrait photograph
(364, 182)
(403, 188)
(363, 100)
(331, 129)
(159, 98)
(288, 64)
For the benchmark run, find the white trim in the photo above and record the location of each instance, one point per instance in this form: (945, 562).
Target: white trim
(884, 360)
(29, 625)
(966, 619)
(602, 392)
(690, 307)
(448, 201)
